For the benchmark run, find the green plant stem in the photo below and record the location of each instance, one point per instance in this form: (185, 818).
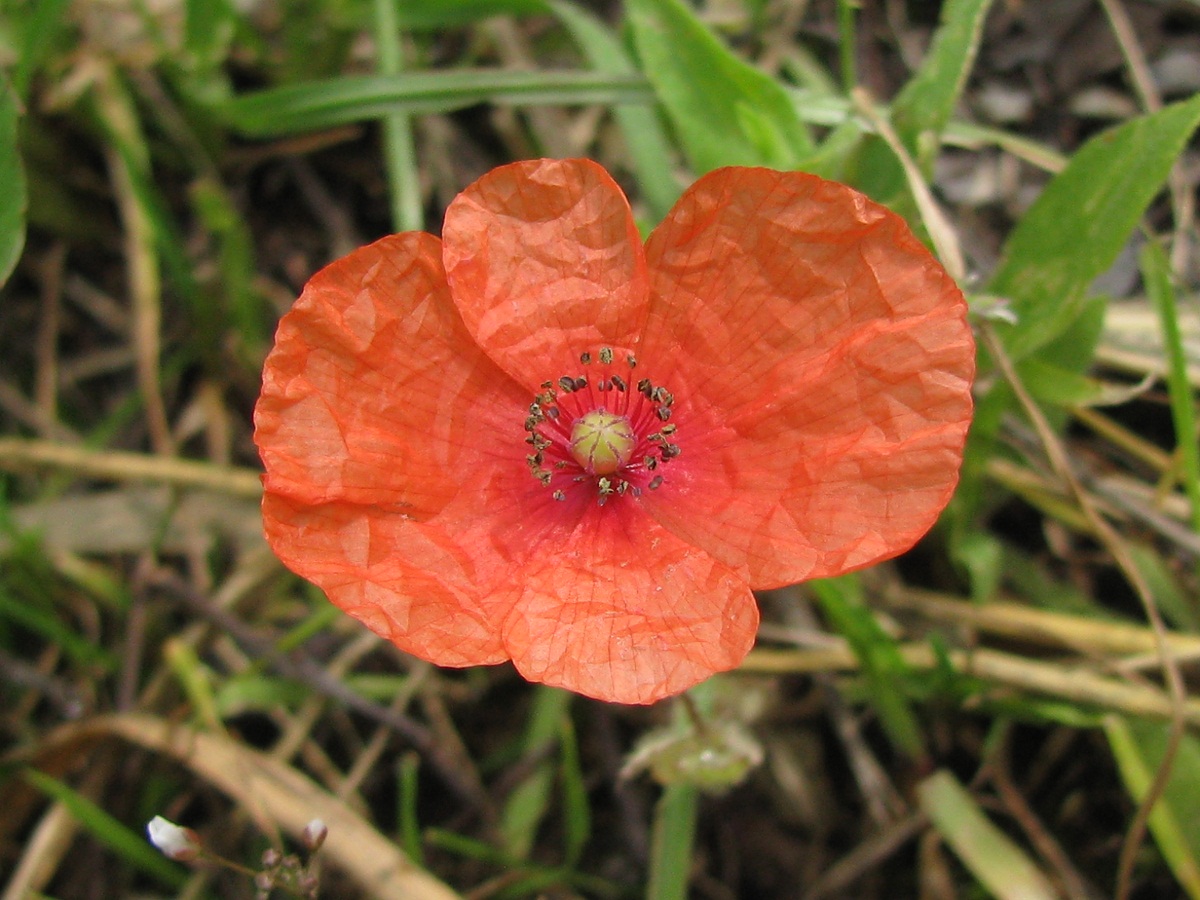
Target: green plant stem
(399, 152)
(671, 843)
(847, 43)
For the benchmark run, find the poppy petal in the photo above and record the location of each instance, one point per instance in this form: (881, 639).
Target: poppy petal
(407, 581)
(377, 415)
(823, 372)
(543, 259)
(375, 394)
(625, 612)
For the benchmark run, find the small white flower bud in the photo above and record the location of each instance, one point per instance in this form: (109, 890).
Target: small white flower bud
(175, 842)
(314, 836)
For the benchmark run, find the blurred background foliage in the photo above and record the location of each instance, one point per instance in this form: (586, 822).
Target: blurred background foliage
(1007, 710)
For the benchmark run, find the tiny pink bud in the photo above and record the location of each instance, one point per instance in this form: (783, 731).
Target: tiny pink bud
(175, 842)
(314, 835)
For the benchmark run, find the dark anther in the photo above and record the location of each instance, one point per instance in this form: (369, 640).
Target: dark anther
(604, 385)
(585, 357)
(655, 482)
(547, 384)
(580, 384)
(567, 383)
(663, 413)
(632, 360)
(618, 382)
(668, 429)
(552, 412)
(645, 387)
(559, 495)
(533, 422)
(651, 462)
(606, 355)
(670, 451)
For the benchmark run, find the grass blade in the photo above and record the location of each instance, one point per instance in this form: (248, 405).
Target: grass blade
(339, 101)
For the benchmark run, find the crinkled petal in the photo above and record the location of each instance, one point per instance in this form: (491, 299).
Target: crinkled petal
(824, 362)
(374, 392)
(621, 610)
(544, 261)
(378, 413)
(409, 582)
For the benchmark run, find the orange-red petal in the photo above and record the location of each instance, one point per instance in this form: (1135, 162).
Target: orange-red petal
(621, 610)
(412, 583)
(824, 361)
(377, 413)
(544, 261)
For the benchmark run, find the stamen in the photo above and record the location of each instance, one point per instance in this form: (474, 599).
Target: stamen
(610, 450)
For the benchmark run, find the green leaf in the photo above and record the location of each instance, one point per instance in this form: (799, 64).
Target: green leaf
(641, 126)
(884, 667)
(725, 111)
(925, 104)
(1076, 228)
(12, 176)
(338, 101)
(1138, 746)
(991, 856)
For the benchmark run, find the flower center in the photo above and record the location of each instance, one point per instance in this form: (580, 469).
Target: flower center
(602, 442)
(606, 436)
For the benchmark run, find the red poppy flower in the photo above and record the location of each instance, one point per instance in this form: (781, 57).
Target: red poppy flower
(539, 440)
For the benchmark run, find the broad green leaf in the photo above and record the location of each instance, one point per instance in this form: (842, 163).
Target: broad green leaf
(997, 863)
(338, 101)
(12, 176)
(1076, 228)
(884, 668)
(40, 23)
(725, 111)
(925, 104)
(1138, 746)
(640, 125)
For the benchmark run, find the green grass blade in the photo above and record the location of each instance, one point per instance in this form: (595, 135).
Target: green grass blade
(1156, 271)
(884, 668)
(131, 846)
(1138, 746)
(991, 856)
(577, 814)
(400, 154)
(12, 176)
(671, 842)
(725, 111)
(1076, 228)
(338, 101)
(643, 131)
(528, 803)
(925, 104)
(430, 15)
